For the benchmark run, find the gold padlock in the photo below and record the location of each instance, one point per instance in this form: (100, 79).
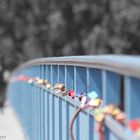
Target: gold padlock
(109, 109)
(97, 111)
(59, 86)
(40, 81)
(116, 112)
(44, 83)
(100, 117)
(95, 102)
(48, 85)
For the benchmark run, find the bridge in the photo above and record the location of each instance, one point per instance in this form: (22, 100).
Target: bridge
(77, 97)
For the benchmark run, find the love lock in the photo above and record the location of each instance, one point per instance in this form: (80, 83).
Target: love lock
(71, 93)
(48, 85)
(79, 95)
(95, 102)
(92, 95)
(59, 88)
(31, 81)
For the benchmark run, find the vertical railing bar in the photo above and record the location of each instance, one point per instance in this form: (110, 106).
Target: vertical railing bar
(33, 102)
(38, 115)
(48, 106)
(43, 104)
(60, 104)
(104, 99)
(53, 109)
(77, 119)
(103, 85)
(122, 100)
(67, 107)
(58, 66)
(39, 97)
(90, 118)
(36, 122)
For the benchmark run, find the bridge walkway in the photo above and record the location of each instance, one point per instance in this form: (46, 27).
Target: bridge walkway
(10, 128)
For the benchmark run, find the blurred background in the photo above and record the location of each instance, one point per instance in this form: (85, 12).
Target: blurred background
(41, 28)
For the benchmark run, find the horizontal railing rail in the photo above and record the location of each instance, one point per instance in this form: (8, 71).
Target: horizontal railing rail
(125, 65)
(46, 115)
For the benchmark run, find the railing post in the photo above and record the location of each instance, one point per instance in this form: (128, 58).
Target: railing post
(132, 97)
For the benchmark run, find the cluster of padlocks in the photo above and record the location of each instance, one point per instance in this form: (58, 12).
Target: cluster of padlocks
(88, 100)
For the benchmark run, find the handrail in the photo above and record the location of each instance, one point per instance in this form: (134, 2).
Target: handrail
(122, 65)
(113, 126)
(125, 65)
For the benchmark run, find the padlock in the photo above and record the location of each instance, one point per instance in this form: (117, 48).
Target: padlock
(97, 111)
(23, 78)
(95, 102)
(99, 115)
(44, 82)
(31, 81)
(36, 80)
(59, 86)
(115, 112)
(92, 95)
(121, 118)
(100, 131)
(57, 90)
(48, 85)
(79, 95)
(40, 81)
(133, 125)
(109, 109)
(83, 101)
(99, 118)
(71, 93)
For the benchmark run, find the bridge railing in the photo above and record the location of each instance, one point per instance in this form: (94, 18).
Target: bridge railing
(46, 115)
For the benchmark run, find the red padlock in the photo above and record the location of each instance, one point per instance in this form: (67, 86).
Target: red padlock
(23, 78)
(99, 129)
(71, 93)
(134, 125)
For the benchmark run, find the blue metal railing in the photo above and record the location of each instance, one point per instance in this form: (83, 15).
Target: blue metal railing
(46, 116)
